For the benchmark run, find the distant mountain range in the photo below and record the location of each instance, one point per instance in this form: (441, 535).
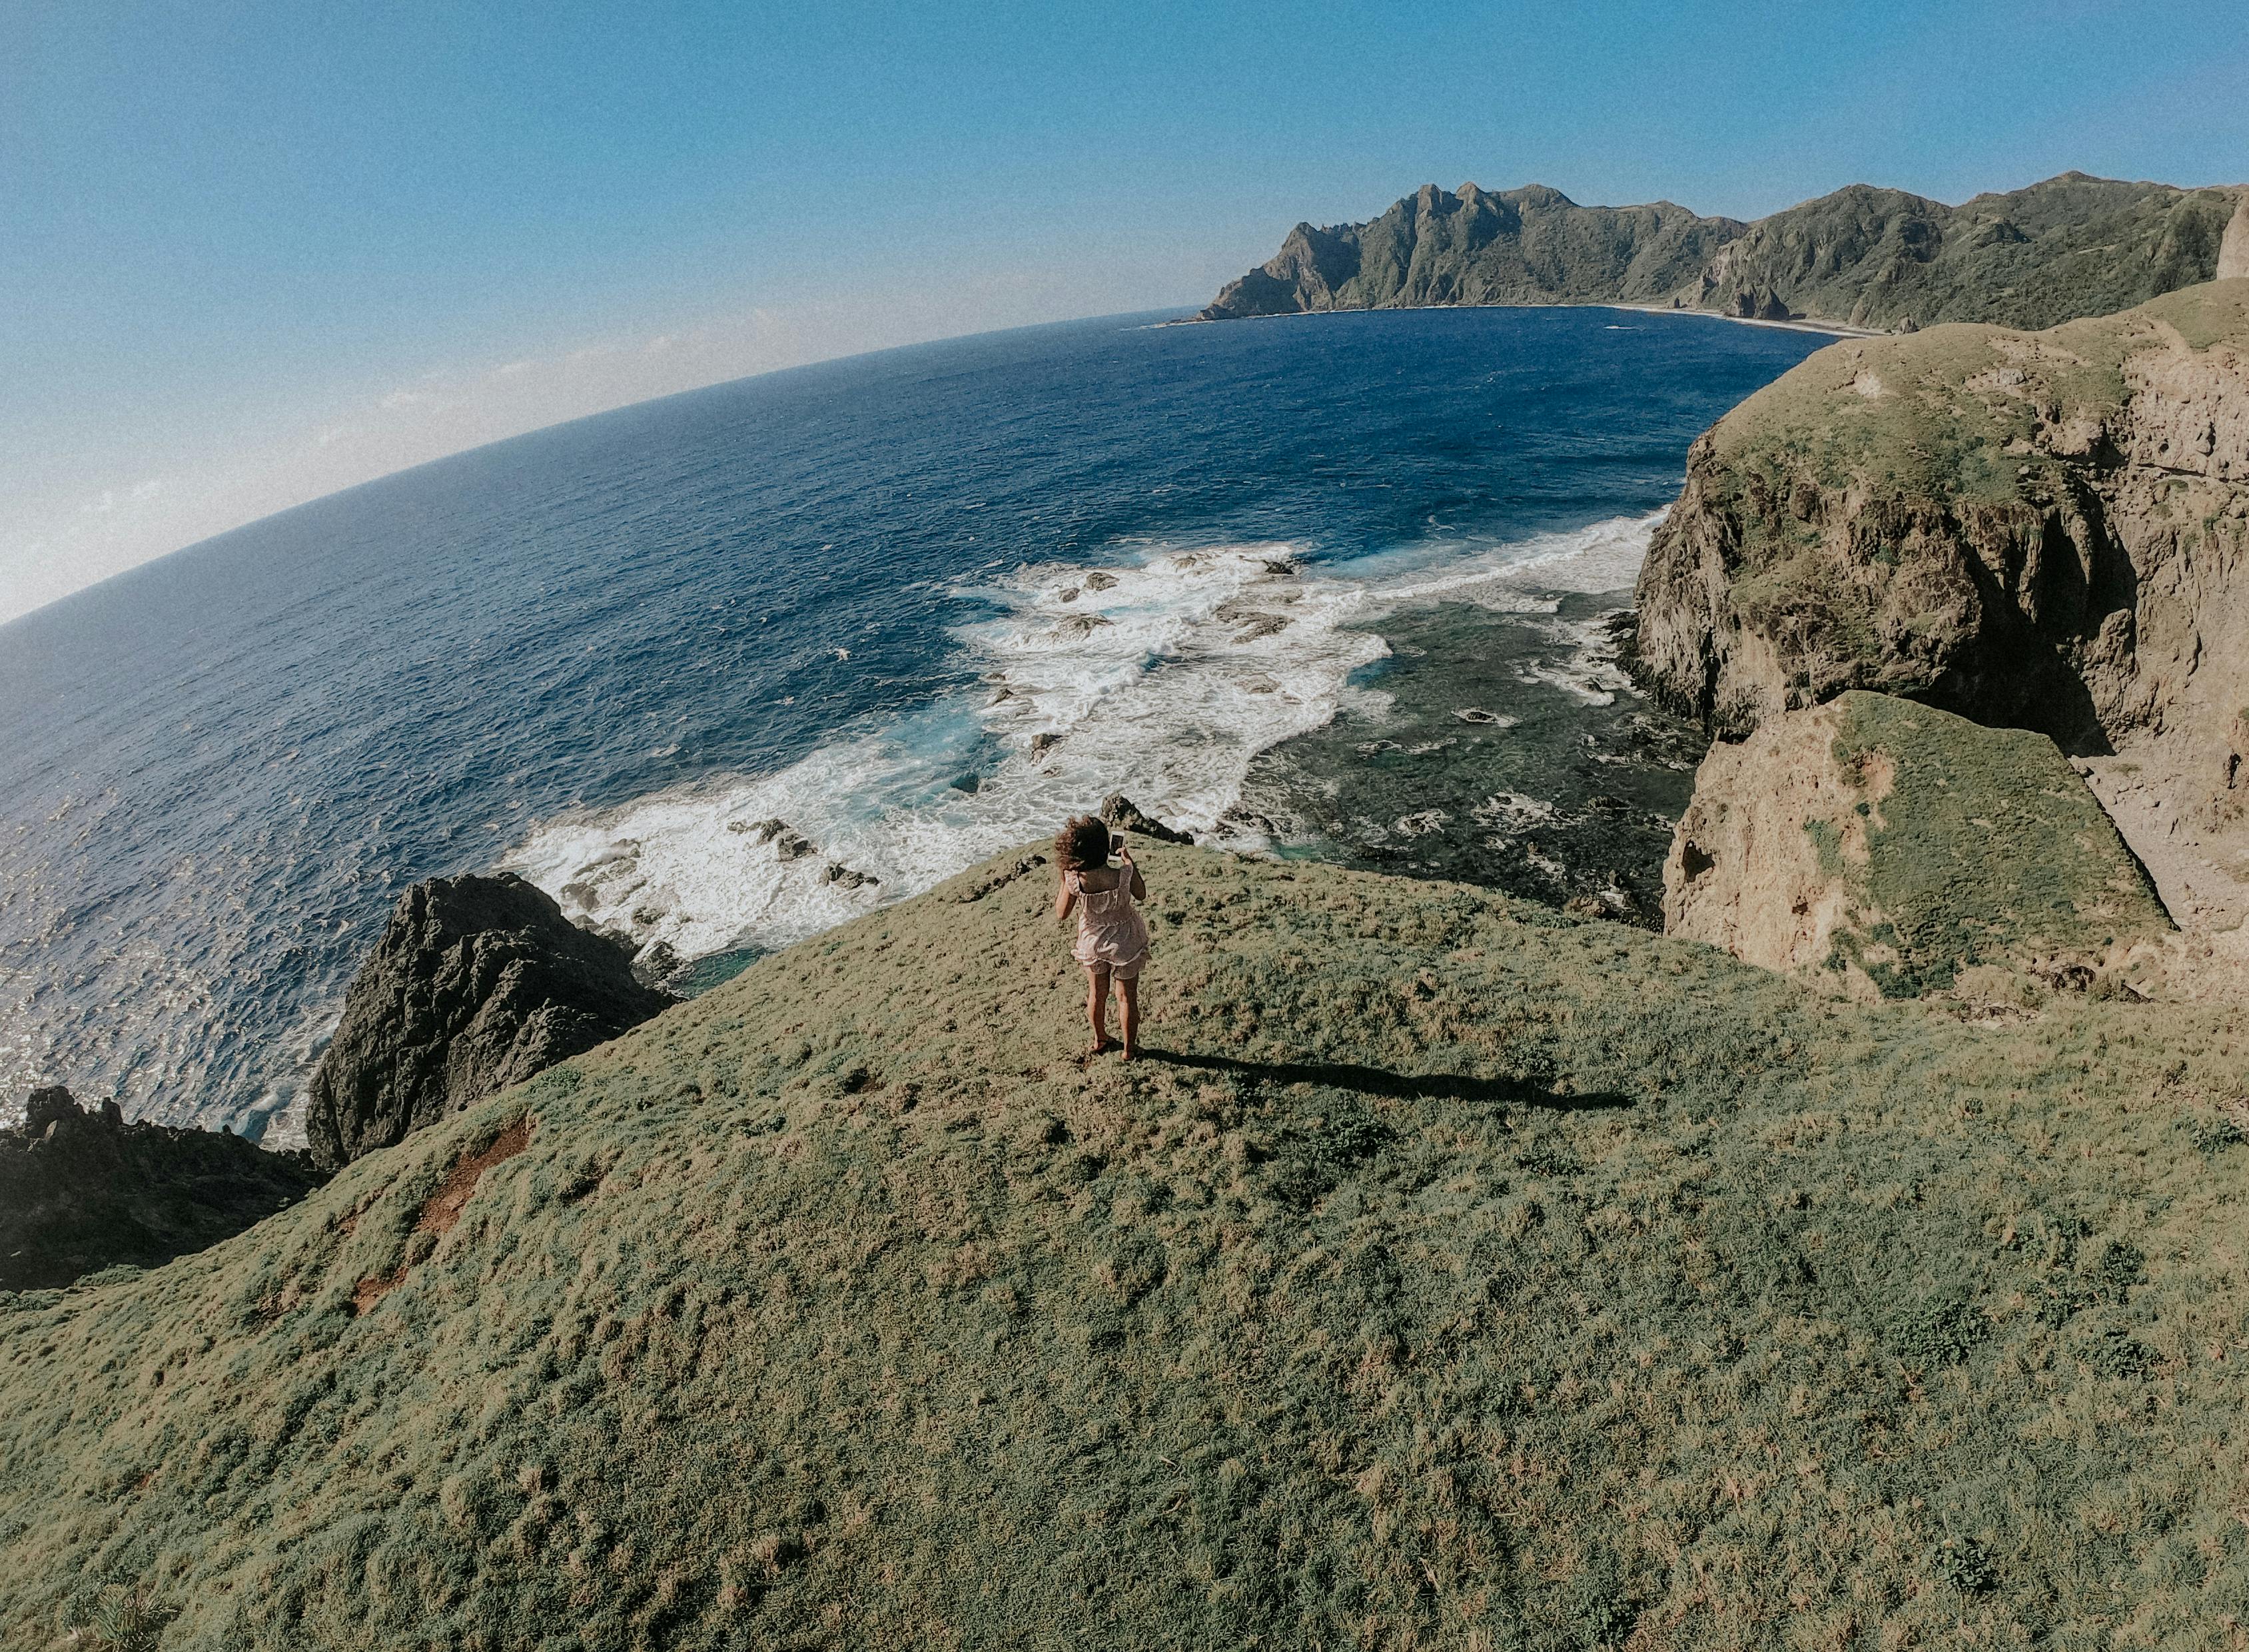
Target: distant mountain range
(2073, 245)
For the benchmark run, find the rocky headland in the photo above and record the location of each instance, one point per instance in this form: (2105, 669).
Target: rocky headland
(1862, 257)
(478, 983)
(82, 1190)
(2040, 530)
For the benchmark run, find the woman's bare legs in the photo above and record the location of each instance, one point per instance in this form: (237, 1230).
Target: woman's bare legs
(1097, 1009)
(1128, 993)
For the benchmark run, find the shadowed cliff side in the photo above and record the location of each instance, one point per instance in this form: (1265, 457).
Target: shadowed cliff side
(1895, 847)
(2070, 246)
(82, 1190)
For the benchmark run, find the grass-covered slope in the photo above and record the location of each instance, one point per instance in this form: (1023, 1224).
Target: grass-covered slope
(1474, 1277)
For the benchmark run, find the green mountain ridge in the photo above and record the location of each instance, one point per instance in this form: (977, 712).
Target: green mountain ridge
(2072, 245)
(1467, 1275)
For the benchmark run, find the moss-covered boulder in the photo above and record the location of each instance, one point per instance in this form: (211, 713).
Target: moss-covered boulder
(1897, 846)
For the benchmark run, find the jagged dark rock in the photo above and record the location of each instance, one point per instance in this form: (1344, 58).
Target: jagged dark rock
(1119, 812)
(788, 842)
(82, 1190)
(477, 984)
(2070, 246)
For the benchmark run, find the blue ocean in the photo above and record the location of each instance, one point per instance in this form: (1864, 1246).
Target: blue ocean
(1336, 585)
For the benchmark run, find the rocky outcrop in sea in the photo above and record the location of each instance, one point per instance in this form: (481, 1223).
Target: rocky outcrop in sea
(478, 983)
(82, 1190)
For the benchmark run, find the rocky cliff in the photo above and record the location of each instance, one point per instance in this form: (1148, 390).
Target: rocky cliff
(477, 984)
(2048, 530)
(82, 1190)
(1895, 847)
(2070, 246)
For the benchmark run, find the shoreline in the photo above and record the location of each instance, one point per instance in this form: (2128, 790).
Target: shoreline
(1801, 324)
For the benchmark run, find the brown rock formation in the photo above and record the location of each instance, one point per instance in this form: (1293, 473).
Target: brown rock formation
(1895, 847)
(2048, 530)
(2233, 251)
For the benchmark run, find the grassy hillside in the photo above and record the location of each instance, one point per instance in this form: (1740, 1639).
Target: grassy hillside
(1471, 1276)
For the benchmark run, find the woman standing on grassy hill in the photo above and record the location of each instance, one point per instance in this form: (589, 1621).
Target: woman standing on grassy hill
(1112, 936)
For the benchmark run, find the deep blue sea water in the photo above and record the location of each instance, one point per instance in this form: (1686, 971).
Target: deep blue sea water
(852, 597)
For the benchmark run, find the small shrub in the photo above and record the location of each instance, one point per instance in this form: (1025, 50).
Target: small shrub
(2120, 1267)
(2060, 1297)
(1939, 1333)
(1965, 1564)
(119, 1620)
(2214, 1133)
(2117, 1354)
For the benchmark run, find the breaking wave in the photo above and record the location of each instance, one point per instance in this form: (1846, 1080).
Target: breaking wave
(1162, 676)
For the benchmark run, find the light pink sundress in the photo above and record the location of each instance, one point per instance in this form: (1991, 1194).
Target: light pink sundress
(1111, 934)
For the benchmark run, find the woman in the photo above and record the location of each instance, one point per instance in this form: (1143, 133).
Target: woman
(1113, 937)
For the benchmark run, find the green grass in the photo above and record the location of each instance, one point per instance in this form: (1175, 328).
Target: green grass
(1986, 849)
(1939, 432)
(1480, 1277)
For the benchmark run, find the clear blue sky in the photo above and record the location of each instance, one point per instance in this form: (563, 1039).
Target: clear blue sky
(253, 250)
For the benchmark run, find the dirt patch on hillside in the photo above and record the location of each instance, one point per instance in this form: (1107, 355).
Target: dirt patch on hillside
(442, 1209)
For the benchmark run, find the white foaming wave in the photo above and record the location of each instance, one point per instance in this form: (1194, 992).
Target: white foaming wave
(1603, 556)
(1162, 678)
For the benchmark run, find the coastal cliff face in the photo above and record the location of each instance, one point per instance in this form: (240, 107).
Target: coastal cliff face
(2070, 246)
(477, 984)
(2048, 530)
(1893, 847)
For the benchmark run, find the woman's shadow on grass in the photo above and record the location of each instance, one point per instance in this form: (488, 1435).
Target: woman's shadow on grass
(1377, 1081)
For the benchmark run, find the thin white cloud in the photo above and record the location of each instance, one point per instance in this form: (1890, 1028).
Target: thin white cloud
(211, 484)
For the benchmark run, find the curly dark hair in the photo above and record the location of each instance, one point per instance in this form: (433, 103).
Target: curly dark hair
(1082, 844)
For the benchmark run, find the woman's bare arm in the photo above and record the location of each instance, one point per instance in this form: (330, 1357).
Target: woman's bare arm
(1065, 898)
(1139, 884)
